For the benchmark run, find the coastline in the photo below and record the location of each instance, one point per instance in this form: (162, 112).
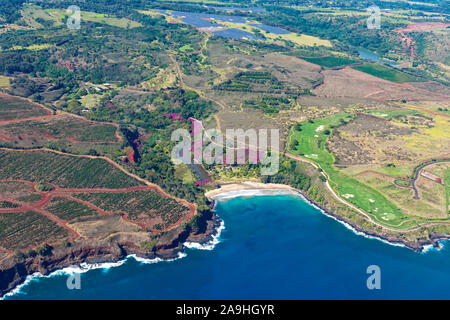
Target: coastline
(88, 255)
(248, 188)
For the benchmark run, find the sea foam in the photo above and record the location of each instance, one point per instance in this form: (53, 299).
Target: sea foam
(85, 267)
(210, 245)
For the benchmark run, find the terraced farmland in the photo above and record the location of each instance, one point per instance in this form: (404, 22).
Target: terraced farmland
(67, 127)
(15, 108)
(145, 207)
(62, 170)
(68, 210)
(20, 230)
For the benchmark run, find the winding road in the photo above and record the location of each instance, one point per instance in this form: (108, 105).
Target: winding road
(416, 176)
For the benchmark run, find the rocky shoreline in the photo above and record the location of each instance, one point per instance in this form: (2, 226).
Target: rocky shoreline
(14, 270)
(237, 188)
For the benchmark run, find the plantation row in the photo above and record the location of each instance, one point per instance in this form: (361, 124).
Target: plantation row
(68, 209)
(24, 229)
(139, 205)
(61, 170)
(63, 127)
(256, 77)
(270, 88)
(258, 82)
(15, 108)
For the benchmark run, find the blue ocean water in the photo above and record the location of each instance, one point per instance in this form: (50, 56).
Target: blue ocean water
(273, 247)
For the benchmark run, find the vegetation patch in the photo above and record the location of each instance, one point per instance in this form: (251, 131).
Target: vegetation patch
(43, 187)
(330, 61)
(8, 204)
(386, 73)
(256, 81)
(269, 104)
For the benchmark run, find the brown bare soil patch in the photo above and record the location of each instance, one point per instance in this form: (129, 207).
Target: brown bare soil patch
(368, 140)
(351, 83)
(424, 26)
(31, 133)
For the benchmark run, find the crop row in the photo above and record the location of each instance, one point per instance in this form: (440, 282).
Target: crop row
(63, 127)
(139, 205)
(69, 209)
(15, 108)
(62, 170)
(23, 229)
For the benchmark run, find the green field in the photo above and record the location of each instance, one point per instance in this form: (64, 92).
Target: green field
(386, 73)
(60, 15)
(392, 113)
(330, 61)
(184, 173)
(394, 171)
(4, 82)
(312, 139)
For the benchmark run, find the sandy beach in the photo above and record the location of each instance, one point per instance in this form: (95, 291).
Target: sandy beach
(248, 186)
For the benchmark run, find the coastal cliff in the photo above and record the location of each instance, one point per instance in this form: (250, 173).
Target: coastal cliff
(15, 269)
(416, 240)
